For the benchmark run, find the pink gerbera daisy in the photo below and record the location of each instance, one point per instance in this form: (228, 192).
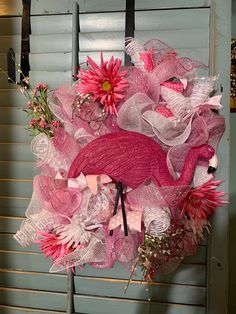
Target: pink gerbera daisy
(105, 83)
(201, 201)
(52, 246)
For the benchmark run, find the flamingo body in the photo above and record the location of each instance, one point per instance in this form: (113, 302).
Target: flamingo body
(132, 158)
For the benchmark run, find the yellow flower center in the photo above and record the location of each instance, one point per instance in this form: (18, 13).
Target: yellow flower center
(106, 86)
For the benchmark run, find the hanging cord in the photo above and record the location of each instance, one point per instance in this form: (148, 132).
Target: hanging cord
(25, 39)
(129, 25)
(25, 48)
(70, 309)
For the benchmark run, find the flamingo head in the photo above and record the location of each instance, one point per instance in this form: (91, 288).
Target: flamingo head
(207, 152)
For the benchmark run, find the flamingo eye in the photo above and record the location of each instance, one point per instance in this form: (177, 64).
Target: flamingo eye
(210, 149)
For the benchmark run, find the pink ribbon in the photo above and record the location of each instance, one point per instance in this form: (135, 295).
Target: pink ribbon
(178, 87)
(82, 181)
(134, 219)
(147, 58)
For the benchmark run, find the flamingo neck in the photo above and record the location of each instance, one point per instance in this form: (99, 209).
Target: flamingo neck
(187, 173)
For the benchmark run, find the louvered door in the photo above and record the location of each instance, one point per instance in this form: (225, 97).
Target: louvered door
(26, 286)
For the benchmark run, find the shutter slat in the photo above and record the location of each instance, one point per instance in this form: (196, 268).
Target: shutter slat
(107, 287)
(62, 61)
(45, 7)
(14, 133)
(189, 274)
(14, 115)
(15, 152)
(31, 298)
(5, 309)
(13, 206)
(116, 306)
(86, 304)
(16, 188)
(11, 97)
(145, 20)
(17, 170)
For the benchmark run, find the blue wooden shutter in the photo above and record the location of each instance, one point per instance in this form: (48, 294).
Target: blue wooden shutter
(26, 286)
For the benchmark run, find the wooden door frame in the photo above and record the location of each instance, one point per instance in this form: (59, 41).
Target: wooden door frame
(217, 252)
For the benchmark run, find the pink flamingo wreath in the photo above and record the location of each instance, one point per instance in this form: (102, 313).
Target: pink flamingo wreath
(126, 160)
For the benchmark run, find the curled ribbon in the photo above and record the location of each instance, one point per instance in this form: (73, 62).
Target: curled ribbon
(134, 219)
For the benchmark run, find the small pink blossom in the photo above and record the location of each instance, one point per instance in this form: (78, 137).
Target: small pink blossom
(42, 124)
(33, 122)
(106, 83)
(30, 105)
(202, 201)
(41, 86)
(55, 123)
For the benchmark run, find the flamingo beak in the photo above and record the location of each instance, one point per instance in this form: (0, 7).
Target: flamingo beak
(213, 164)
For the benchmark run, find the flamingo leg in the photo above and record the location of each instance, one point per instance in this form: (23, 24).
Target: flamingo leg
(123, 210)
(120, 196)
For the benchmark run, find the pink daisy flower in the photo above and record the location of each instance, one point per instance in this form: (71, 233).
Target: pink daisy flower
(105, 83)
(202, 201)
(52, 246)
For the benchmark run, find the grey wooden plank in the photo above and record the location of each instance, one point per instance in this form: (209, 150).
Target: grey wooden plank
(14, 7)
(174, 293)
(93, 41)
(86, 304)
(53, 79)
(11, 98)
(5, 84)
(15, 151)
(11, 7)
(31, 298)
(10, 224)
(5, 309)
(103, 5)
(10, 26)
(189, 274)
(112, 41)
(16, 188)
(8, 243)
(110, 21)
(13, 115)
(169, 293)
(32, 280)
(13, 211)
(18, 170)
(14, 133)
(115, 40)
(13, 206)
(8, 42)
(59, 61)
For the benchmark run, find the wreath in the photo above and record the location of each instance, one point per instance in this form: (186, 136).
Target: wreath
(126, 160)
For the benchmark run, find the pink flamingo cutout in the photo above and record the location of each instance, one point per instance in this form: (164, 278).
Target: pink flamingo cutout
(132, 158)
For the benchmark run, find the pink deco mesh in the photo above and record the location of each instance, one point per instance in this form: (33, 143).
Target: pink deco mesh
(61, 106)
(94, 252)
